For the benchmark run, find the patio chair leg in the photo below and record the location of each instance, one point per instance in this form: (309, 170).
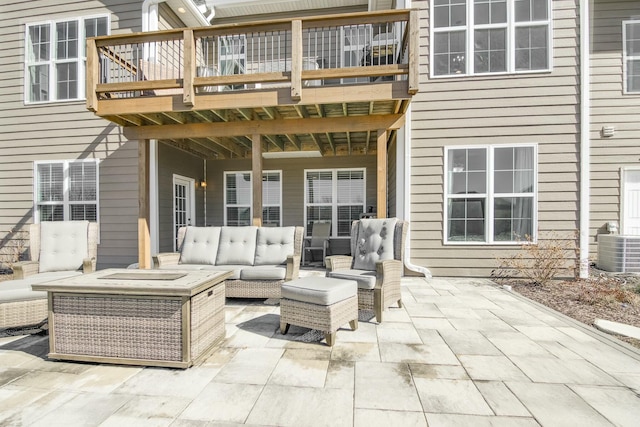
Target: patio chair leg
(354, 324)
(378, 311)
(284, 328)
(331, 338)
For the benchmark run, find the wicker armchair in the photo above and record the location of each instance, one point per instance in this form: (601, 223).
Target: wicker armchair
(57, 250)
(376, 264)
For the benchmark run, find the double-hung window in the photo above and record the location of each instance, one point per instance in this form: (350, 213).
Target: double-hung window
(631, 60)
(55, 57)
(471, 37)
(238, 198)
(490, 194)
(66, 190)
(335, 195)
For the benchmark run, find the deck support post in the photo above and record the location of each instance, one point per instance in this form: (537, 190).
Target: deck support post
(93, 75)
(256, 178)
(381, 178)
(414, 46)
(144, 215)
(188, 95)
(296, 59)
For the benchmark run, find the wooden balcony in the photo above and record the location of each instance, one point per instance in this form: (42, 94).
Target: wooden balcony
(337, 84)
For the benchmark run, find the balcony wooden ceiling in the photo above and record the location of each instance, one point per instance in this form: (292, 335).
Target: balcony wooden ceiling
(333, 128)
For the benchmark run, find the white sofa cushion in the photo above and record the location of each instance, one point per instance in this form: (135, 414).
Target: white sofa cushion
(319, 290)
(374, 242)
(263, 272)
(237, 245)
(274, 244)
(366, 279)
(200, 245)
(63, 245)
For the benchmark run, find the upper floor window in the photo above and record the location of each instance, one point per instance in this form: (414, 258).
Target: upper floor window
(631, 49)
(66, 190)
(490, 194)
(238, 198)
(471, 37)
(55, 57)
(336, 196)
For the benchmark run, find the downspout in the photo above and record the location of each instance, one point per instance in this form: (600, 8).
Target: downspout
(585, 142)
(403, 180)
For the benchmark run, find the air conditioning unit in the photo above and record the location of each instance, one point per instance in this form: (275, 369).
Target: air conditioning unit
(620, 254)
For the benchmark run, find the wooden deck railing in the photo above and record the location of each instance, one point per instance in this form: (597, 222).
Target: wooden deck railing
(348, 48)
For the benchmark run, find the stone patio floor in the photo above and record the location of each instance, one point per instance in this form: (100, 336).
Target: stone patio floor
(462, 352)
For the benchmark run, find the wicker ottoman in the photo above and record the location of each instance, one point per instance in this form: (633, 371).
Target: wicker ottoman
(319, 303)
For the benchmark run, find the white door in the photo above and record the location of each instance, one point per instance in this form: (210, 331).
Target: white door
(631, 202)
(183, 205)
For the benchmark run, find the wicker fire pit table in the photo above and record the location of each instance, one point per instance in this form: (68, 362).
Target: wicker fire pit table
(136, 317)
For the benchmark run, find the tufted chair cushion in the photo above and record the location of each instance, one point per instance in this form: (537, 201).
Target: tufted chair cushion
(374, 242)
(237, 245)
(274, 244)
(63, 245)
(200, 245)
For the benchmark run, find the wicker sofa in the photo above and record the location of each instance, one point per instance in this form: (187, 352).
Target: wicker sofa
(261, 258)
(57, 250)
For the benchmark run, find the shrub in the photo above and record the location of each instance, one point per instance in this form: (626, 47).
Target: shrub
(540, 262)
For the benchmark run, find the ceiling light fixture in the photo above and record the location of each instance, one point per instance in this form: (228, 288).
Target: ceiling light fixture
(181, 9)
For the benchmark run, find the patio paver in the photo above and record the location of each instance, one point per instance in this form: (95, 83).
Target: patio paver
(460, 352)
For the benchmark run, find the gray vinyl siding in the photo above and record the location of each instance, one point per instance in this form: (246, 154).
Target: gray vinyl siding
(610, 107)
(540, 108)
(175, 162)
(63, 131)
(292, 186)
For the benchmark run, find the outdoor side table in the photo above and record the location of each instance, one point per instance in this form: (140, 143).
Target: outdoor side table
(136, 317)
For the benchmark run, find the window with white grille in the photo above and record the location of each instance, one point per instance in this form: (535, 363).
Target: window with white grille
(66, 190)
(631, 60)
(56, 58)
(336, 196)
(471, 37)
(238, 198)
(490, 194)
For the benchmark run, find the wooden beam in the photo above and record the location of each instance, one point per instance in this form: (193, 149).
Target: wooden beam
(381, 179)
(229, 146)
(414, 46)
(144, 211)
(296, 59)
(93, 75)
(188, 91)
(267, 127)
(383, 91)
(256, 178)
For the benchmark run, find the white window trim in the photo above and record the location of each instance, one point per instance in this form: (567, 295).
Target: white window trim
(623, 190)
(191, 185)
(470, 27)
(80, 60)
(626, 57)
(250, 205)
(489, 196)
(334, 199)
(65, 182)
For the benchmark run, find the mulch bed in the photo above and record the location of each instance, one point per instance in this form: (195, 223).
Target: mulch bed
(612, 298)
